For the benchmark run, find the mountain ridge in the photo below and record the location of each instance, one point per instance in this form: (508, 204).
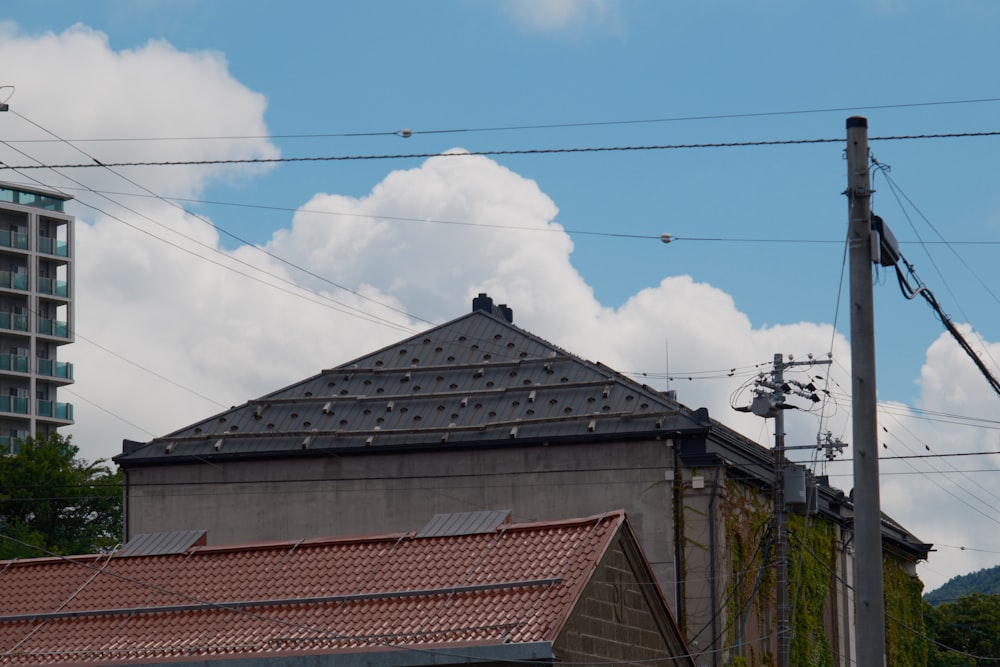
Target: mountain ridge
(985, 581)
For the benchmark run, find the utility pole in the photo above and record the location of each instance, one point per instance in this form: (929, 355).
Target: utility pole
(869, 604)
(769, 401)
(781, 518)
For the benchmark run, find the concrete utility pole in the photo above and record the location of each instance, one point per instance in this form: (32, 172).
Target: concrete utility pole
(781, 519)
(869, 604)
(769, 401)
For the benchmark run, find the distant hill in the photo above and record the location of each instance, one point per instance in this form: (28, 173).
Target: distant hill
(985, 581)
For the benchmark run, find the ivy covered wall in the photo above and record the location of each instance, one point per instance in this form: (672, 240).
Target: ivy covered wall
(814, 579)
(750, 594)
(811, 574)
(905, 633)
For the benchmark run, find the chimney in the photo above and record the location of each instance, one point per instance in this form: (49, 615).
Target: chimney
(506, 312)
(485, 304)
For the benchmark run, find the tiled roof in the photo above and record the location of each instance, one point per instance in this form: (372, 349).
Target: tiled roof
(475, 380)
(515, 584)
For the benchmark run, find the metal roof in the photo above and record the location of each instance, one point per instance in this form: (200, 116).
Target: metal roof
(475, 380)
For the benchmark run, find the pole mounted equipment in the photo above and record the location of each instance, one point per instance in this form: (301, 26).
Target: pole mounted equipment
(769, 402)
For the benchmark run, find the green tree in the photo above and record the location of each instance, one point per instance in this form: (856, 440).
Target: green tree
(53, 502)
(965, 632)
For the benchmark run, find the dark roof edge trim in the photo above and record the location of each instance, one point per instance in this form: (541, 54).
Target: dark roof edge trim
(426, 655)
(578, 439)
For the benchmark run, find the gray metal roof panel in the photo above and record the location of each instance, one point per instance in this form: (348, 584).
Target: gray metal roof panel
(159, 544)
(464, 523)
(475, 379)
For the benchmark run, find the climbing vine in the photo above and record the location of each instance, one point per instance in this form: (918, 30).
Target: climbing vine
(813, 581)
(905, 643)
(812, 562)
(751, 585)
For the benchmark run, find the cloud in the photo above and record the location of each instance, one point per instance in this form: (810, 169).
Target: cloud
(565, 15)
(73, 85)
(956, 505)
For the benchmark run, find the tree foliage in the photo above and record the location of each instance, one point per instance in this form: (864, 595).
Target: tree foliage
(53, 502)
(965, 632)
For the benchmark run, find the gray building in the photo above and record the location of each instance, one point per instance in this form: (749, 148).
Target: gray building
(479, 414)
(36, 311)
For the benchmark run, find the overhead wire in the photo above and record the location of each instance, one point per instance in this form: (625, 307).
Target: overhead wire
(496, 153)
(108, 411)
(300, 291)
(561, 229)
(899, 196)
(75, 332)
(945, 460)
(541, 126)
(215, 227)
(991, 510)
(348, 310)
(826, 393)
(911, 292)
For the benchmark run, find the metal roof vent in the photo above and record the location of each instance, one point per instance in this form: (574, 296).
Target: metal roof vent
(465, 523)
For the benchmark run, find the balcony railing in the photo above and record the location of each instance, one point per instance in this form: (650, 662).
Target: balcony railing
(48, 327)
(53, 246)
(55, 369)
(55, 410)
(13, 239)
(13, 322)
(12, 362)
(13, 280)
(18, 404)
(53, 286)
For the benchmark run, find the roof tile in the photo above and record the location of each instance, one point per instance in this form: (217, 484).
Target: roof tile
(514, 583)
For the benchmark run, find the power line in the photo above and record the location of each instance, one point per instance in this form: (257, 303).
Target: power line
(465, 223)
(488, 153)
(110, 412)
(405, 133)
(216, 227)
(300, 290)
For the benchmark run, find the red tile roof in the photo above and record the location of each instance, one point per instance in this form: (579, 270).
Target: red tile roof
(516, 584)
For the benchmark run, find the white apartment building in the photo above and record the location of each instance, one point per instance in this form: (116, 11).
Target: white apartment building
(36, 311)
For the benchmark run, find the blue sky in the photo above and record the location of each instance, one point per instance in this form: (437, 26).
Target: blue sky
(299, 77)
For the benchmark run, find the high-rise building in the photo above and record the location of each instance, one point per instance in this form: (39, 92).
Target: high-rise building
(36, 311)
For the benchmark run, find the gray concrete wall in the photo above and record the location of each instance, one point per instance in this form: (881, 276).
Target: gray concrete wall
(381, 493)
